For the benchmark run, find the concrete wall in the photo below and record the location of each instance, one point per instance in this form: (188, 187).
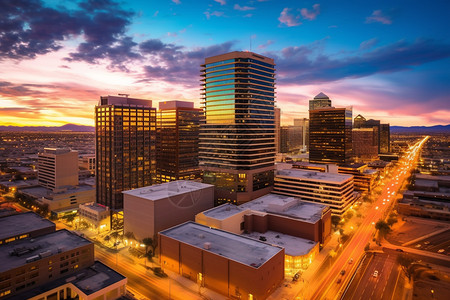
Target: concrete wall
(138, 216)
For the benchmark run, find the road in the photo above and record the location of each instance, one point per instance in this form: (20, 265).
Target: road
(435, 243)
(327, 287)
(365, 286)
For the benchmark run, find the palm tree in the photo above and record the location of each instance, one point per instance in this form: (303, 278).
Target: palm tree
(147, 242)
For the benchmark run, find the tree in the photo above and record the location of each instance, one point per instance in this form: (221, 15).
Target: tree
(114, 235)
(383, 228)
(154, 243)
(391, 221)
(335, 220)
(405, 262)
(348, 215)
(147, 242)
(69, 218)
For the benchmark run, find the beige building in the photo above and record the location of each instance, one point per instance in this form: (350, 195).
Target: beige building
(87, 162)
(96, 215)
(57, 167)
(151, 209)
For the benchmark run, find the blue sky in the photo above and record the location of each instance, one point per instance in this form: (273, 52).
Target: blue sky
(390, 60)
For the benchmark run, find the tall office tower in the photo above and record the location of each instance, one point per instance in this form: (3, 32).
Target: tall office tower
(330, 135)
(125, 147)
(321, 100)
(57, 167)
(178, 126)
(237, 137)
(365, 144)
(277, 129)
(290, 139)
(304, 123)
(385, 138)
(359, 121)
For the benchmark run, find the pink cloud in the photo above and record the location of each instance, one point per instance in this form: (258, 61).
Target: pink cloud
(311, 14)
(268, 43)
(222, 2)
(379, 17)
(176, 1)
(243, 8)
(289, 19)
(214, 13)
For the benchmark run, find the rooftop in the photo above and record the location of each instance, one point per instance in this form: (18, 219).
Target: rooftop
(287, 206)
(164, 190)
(292, 245)
(316, 176)
(223, 211)
(88, 280)
(95, 206)
(172, 104)
(245, 250)
(40, 191)
(61, 240)
(321, 96)
(15, 225)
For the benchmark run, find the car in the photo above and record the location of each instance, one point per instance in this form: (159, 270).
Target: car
(399, 250)
(426, 242)
(441, 250)
(350, 261)
(418, 246)
(375, 274)
(376, 207)
(342, 272)
(338, 281)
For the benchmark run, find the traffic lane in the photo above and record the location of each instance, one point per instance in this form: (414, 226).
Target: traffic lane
(387, 274)
(371, 282)
(418, 257)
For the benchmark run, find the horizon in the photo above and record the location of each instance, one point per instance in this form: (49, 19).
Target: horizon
(389, 61)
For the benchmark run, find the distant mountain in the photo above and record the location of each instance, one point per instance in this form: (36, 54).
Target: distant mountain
(67, 127)
(421, 129)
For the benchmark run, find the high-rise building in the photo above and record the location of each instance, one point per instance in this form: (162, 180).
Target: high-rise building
(365, 143)
(321, 100)
(178, 126)
(384, 132)
(125, 147)
(330, 135)
(277, 129)
(290, 138)
(237, 136)
(57, 167)
(304, 124)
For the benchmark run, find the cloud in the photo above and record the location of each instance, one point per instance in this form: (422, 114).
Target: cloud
(214, 13)
(248, 15)
(222, 2)
(368, 44)
(176, 2)
(29, 28)
(268, 43)
(307, 64)
(289, 19)
(243, 8)
(311, 14)
(379, 17)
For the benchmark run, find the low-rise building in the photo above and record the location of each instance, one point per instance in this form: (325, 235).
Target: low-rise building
(233, 265)
(364, 178)
(21, 226)
(151, 209)
(333, 190)
(96, 215)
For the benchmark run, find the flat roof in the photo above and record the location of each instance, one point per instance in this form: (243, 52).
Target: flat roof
(88, 280)
(316, 176)
(40, 191)
(292, 245)
(18, 224)
(61, 239)
(242, 249)
(287, 206)
(164, 190)
(223, 211)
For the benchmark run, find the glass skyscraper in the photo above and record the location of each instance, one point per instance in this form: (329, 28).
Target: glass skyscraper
(237, 134)
(125, 131)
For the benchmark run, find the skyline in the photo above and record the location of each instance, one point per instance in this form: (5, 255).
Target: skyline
(388, 61)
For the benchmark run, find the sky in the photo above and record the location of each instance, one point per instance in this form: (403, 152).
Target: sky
(389, 60)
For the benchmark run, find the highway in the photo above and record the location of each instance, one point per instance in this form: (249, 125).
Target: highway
(327, 286)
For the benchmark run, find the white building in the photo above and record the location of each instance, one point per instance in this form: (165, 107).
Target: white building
(150, 209)
(97, 215)
(334, 190)
(57, 167)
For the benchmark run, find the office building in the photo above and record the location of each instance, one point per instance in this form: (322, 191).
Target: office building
(24, 225)
(364, 177)
(320, 100)
(178, 125)
(87, 162)
(57, 167)
(334, 190)
(97, 216)
(125, 147)
(330, 135)
(277, 129)
(304, 124)
(237, 136)
(384, 132)
(365, 144)
(291, 139)
(151, 209)
(235, 266)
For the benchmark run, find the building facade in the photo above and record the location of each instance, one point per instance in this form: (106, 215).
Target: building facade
(237, 135)
(57, 167)
(334, 190)
(319, 101)
(178, 126)
(125, 147)
(330, 135)
(365, 144)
